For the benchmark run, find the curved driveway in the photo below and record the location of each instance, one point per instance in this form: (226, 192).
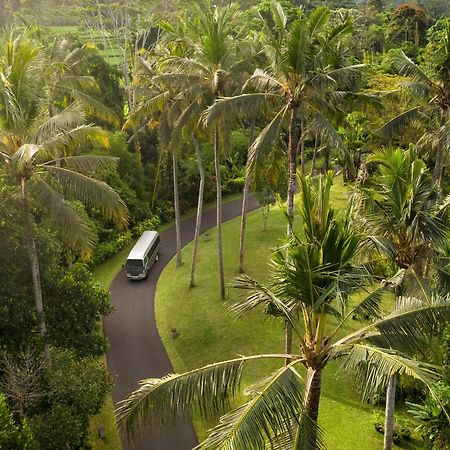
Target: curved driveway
(136, 350)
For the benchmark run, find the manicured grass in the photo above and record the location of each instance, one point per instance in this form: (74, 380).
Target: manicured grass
(208, 333)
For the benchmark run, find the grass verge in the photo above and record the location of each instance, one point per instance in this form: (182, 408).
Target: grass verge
(208, 333)
(104, 274)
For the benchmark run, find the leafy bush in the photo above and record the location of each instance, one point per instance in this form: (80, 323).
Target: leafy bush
(108, 248)
(13, 436)
(402, 430)
(73, 390)
(434, 428)
(152, 223)
(165, 211)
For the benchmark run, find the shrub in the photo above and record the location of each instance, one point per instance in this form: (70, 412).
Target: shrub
(152, 223)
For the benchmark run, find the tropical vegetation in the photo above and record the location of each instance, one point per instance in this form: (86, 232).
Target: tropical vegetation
(148, 110)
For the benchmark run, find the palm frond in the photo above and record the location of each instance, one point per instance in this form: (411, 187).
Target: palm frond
(265, 139)
(404, 66)
(370, 305)
(243, 104)
(318, 18)
(373, 366)
(79, 82)
(320, 124)
(265, 418)
(77, 136)
(95, 108)
(412, 321)
(24, 156)
(258, 294)
(263, 81)
(206, 390)
(91, 192)
(71, 117)
(149, 107)
(417, 89)
(345, 77)
(89, 164)
(394, 125)
(71, 228)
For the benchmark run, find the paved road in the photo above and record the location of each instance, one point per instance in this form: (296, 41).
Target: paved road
(136, 350)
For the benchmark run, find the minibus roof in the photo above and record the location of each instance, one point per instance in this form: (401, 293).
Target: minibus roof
(143, 244)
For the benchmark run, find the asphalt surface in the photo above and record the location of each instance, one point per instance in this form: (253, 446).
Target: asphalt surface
(136, 351)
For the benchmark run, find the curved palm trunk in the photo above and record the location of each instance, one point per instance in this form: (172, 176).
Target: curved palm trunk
(34, 265)
(287, 341)
(389, 414)
(312, 399)
(177, 207)
(219, 211)
(292, 165)
(198, 221)
(436, 177)
(244, 204)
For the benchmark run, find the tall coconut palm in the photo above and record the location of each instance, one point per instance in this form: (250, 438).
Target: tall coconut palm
(312, 277)
(432, 87)
(298, 83)
(205, 68)
(406, 223)
(32, 148)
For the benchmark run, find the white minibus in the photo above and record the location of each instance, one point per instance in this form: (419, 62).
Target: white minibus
(143, 255)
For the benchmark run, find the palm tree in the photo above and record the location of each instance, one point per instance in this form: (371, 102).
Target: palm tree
(32, 145)
(312, 277)
(298, 83)
(202, 63)
(406, 223)
(432, 87)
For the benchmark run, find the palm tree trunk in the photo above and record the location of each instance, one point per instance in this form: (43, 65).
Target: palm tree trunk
(326, 164)
(437, 171)
(389, 413)
(34, 265)
(313, 162)
(312, 400)
(302, 145)
(198, 221)
(244, 204)
(287, 341)
(219, 211)
(177, 207)
(292, 164)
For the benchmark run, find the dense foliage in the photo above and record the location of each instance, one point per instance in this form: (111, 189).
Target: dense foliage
(147, 110)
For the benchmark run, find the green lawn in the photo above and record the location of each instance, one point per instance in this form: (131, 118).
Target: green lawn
(208, 333)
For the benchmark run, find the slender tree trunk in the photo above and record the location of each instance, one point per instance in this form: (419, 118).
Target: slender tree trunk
(219, 211)
(287, 341)
(177, 207)
(292, 164)
(389, 414)
(198, 221)
(312, 400)
(436, 178)
(316, 146)
(245, 204)
(34, 265)
(326, 164)
(302, 145)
